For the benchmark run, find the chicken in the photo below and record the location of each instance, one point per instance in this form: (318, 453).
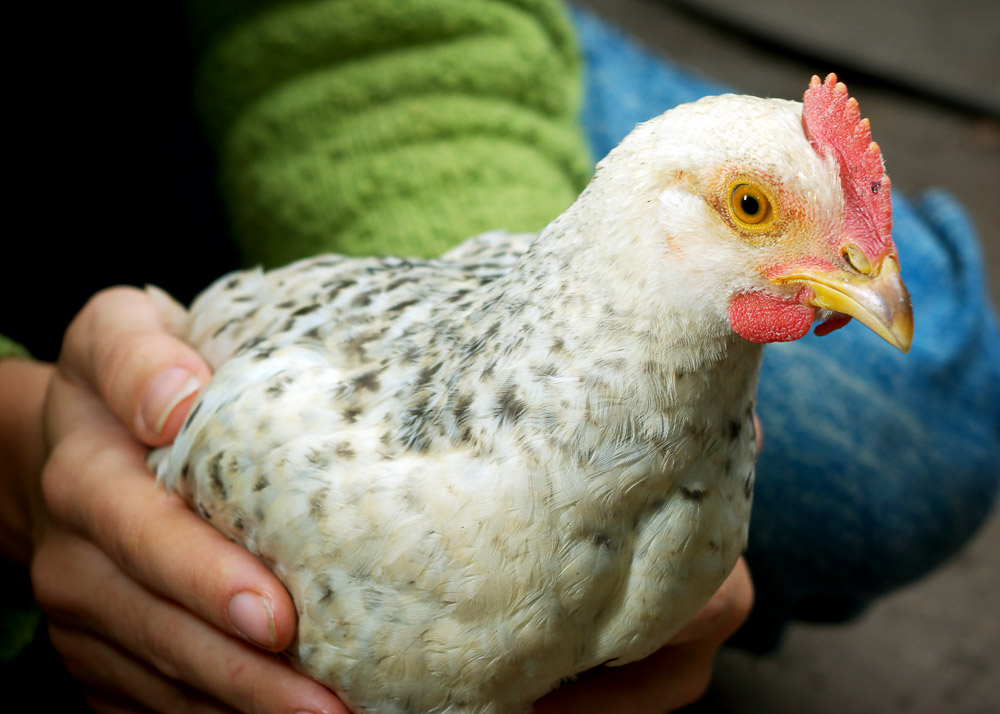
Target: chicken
(480, 475)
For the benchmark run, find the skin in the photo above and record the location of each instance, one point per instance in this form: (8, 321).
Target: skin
(148, 606)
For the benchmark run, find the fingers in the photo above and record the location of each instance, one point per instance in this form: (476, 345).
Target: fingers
(182, 654)
(723, 614)
(114, 681)
(120, 346)
(131, 577)
(96, 483)
(671, 678)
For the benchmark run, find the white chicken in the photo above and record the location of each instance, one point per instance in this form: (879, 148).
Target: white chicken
(480, 475)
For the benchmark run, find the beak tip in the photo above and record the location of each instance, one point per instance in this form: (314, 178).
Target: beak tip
(903, 331)
(879, 301)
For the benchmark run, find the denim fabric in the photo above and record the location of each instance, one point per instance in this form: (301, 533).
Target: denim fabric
(876, 465)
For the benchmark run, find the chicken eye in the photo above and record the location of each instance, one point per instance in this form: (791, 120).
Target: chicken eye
(749, 206)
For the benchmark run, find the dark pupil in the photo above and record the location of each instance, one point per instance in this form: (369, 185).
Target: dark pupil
(750, 205)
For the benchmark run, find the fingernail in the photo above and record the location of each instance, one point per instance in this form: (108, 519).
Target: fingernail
(167, 389)
(251, 615)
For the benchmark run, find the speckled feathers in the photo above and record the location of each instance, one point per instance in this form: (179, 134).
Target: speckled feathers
(483, 474)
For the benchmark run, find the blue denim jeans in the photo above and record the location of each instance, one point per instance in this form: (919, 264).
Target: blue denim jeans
(876, 465)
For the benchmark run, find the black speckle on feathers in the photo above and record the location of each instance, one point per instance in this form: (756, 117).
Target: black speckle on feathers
(410, 355)
(693, 494)
(306, 310)
(276, 387)
(461, 411)
(362, 300)
(192, 415)
(262, 354)
(327, 593)
(425, 376)
(399, 307)
(317, 504)
(368, 380)
(215, 475)
(222, 328)
(312, 334)
(416, 432)
(603, 540)
(335, 287)
(249, 344)
(510, 408)
(318, 458)
(401, 281)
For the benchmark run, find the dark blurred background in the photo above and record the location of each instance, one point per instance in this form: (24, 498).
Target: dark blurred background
(927, 75)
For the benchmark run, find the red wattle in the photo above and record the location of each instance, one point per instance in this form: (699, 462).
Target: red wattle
(834, 323)
(760, 317)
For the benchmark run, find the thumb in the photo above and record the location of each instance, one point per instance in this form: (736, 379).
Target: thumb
(120, 345)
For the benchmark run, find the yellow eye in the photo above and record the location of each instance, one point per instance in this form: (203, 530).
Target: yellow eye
(750, 207)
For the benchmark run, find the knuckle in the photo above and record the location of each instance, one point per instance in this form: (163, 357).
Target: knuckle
(43, 573)
(130, 545)
(47, 573)
(110, 298)
(113, 356)
(100, 304)
(743, 606)
(742, 598)
(127, 362)
(53, 479)
(160, 646)
(259, 694)
(694, 689)
(57, 479)
(76, 662)
(64, 481)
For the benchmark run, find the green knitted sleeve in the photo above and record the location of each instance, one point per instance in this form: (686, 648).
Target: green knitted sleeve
(388, 126)
(9, 348)
(19, 616)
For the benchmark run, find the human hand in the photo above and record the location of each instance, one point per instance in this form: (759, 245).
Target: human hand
(670, 678)
(148, 606)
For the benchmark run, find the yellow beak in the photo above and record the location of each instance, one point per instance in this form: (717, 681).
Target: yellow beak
(878, 300)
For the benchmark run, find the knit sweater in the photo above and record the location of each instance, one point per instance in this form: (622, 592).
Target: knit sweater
(389, 126)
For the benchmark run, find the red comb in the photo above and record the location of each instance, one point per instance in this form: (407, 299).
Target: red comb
(835, 128)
